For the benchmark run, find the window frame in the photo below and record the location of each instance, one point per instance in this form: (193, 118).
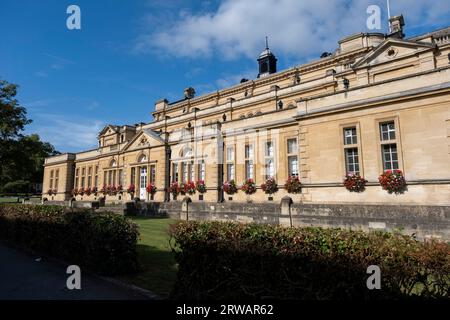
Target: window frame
(292, 154)
(358, 146)
(397, 141)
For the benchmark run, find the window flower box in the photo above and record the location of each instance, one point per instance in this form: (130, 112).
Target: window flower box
(393, 181)
(229, 187)
(189, 188)
(354, 183)
(249, 187)
(200, 186)
(270, 186)
(293, 185)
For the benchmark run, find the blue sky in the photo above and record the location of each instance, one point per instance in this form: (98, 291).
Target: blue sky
(128, 54)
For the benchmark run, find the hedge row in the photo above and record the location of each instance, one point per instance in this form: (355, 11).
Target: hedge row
(225, 260)
(103, 242)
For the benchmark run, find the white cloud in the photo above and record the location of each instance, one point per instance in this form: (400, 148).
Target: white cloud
(67, 133)
(295, 28)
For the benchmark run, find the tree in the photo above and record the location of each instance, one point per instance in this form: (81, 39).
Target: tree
(13, 117)
(21, 157)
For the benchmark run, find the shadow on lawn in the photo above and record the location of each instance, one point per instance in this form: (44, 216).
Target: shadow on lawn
(158, 270)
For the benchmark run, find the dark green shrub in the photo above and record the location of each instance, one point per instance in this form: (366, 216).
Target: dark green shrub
(19, 186)
(103, 242)
(224, 260)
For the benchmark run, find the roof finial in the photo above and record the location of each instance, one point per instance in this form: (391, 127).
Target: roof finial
(267, 43)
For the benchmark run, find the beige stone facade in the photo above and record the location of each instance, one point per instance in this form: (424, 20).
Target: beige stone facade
(378, 102)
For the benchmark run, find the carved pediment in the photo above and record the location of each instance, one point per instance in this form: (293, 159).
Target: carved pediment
(145, 138)
(391, 49)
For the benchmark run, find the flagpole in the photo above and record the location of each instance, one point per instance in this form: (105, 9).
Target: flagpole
(389, 15)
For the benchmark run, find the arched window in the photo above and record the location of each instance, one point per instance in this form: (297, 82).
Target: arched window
(142, 158)
(186, 152)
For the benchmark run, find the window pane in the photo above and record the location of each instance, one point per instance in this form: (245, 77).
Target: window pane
(249, 151)
(230, 154)
(387, 131)
(292, 146)
(270, 168)
(390, 157)
(249, 169)
(292, 166)
(351, 160)
(230, 171)
(350, 136)
(269, 149)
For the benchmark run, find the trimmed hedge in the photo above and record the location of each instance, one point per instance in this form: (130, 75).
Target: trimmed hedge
(102, 242)
(225, 260)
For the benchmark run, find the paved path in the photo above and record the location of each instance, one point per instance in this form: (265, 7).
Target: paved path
(22, 277)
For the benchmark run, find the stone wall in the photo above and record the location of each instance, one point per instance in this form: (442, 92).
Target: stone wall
(423, 221)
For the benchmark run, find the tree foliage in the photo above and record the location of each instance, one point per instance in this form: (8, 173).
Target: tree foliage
(21, 156)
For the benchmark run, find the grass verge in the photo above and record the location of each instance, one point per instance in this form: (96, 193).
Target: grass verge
(155, 255)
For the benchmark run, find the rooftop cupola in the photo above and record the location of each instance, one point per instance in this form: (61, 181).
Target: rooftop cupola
(267, 62)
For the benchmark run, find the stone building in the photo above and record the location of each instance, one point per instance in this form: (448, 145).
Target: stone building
(378, 102)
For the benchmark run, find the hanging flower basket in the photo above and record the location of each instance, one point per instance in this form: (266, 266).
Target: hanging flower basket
(249, 187)
(119, 189)
(230, 187)
(200, 186)
(189, 188)
(87, 191)
(95, 191)
(131, 189)
(354, 183)
(270, 186)
(104, 190)
(74, 192)
(293, 185)
(151, 188)
(393, 181)
(175, 189)
(81, 191)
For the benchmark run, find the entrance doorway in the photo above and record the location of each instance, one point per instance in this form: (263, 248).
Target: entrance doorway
(143, 183)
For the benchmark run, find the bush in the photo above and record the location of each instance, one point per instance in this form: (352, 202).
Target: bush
(103, 242)
(19, 186)
(225, 260)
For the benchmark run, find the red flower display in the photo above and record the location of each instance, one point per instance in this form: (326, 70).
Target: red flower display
(354, 182)
(230, 187)
(131, 188)
(270, 186)
(249, 186)
(174, 189)
(87, 191)
(104, 190)
(200, 186)
(151, 188)
(189, 187)
(293, 185)
(393, 181)
(74, 192)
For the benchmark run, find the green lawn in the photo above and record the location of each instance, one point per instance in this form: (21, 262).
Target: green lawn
(155, 255)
